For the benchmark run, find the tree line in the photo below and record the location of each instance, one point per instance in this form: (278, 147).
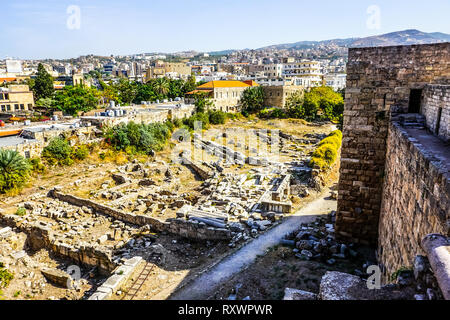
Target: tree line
(319, 103)
(80, 98)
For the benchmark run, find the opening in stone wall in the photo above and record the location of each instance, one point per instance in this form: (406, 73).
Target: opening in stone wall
(438, 121)
(414, 100)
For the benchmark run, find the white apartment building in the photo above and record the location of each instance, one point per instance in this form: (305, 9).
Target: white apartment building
(336, 80)
(273, 71)
(306, 73)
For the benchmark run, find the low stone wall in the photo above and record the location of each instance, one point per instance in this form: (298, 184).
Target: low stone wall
(416, 200)
(42, 237)
(184, 228)
(197, 230)
(202, 173)
(436, 109)
(135, 219)
(119, 278)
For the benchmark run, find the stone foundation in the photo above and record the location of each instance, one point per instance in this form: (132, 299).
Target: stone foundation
(40, 237)
(184, 228)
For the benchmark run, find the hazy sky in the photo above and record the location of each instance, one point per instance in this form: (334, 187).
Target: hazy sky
(39, 28)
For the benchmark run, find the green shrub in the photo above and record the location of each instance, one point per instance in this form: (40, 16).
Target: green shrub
(5, 276)
(67, 162)
(170, 125)
(36, 165)
(217, 117)
(21, 211)
(272, 113)
(177, 123)
(234, 115)
(57, 151)
(14, 170)
(133, 138)
(265, 113)
(200, 117)
(334, 140)
(326, 153)
(81, 152)
(336, 133)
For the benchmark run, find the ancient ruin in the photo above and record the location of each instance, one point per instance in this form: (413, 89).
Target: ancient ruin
(394, 173)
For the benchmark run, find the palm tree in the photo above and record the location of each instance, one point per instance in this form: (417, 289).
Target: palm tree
(253, 99)
(161, 86)
(14, 170)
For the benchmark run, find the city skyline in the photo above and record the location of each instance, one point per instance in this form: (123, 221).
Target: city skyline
(53, 29)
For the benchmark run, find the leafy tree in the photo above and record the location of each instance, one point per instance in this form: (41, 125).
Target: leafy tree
(95, 74)
(108, 93)
(310, 107)
(14, 170)
(145, 92)
(190, 84)
(202, 102)
(176, 88)
(330, 102)
(74, 99)
(43, 84)
(46, 103)
(253, 99)
(30, 82)
(126, 91)
(320, 99)
(294, 104)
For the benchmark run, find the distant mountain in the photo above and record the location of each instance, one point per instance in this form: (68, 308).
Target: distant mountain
(220, 53)
(405, 37)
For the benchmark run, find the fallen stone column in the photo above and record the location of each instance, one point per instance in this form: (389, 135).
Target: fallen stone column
(209, 221)
(437, 248)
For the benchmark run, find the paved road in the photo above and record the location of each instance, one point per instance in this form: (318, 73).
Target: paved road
(200, 287)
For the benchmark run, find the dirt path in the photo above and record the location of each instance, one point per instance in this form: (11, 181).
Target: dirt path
(207, 282)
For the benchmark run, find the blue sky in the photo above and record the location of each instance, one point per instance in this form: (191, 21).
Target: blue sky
(33, 29)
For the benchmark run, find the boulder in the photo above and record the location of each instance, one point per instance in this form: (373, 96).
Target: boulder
(343, 286)
(421, 266)
(303, 235)
(57, 277)
(304, 245)
(119, 179)
(295, 294)
(5, 232)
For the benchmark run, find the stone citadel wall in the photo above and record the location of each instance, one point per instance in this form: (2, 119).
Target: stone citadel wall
(416, 200)
(436, 109)
(379, 83)
(394, 188)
